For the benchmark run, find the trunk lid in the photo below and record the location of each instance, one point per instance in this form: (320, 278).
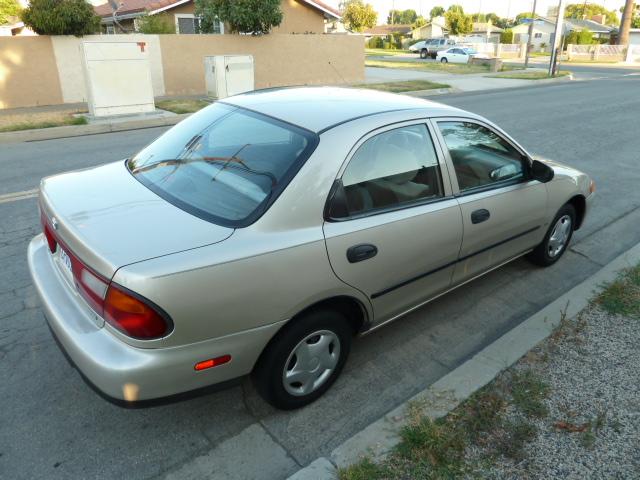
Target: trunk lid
(109, 219)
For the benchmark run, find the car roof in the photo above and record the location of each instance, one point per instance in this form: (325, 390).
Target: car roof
(320, 108)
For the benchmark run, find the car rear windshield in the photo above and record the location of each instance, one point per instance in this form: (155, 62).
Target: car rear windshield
(224, 164)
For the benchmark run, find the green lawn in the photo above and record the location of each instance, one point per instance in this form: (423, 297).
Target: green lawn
(405, 86)
(56, 120)
(182, 106)
(382, 51)
(429, 66)
(537, 75)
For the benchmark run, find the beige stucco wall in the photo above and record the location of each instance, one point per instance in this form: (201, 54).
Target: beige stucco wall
(67, 50)
(279, 59)
(28, 73)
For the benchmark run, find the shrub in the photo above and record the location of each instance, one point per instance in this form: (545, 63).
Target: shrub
(375, 42)
(585, 37)
(506, 36)
(160, 23)
(61, 17)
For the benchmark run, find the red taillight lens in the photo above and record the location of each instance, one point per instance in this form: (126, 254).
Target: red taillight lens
(51, 240)
(133, 315)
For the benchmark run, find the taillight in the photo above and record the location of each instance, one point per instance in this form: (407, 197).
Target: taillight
(51, 240)
(133, 315)
(126, 311)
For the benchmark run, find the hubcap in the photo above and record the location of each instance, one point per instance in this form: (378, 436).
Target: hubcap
(311, 363)
(559, 236)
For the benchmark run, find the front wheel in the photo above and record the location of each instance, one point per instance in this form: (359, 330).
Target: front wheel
(557, 239)
(444, 60)
(304, 359)
(423, 53)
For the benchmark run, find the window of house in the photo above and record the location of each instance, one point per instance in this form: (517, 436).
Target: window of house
(538, 35)
(111, 30)
(189, 24)
(393, 168)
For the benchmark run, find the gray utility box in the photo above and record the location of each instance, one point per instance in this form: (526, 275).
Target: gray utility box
(227, 75)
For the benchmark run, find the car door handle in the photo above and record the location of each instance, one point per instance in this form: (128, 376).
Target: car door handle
(361, 252)
(480, 216)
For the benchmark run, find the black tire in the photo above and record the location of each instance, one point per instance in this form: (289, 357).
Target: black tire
(268, 376)
(444, 60)
(434, 55)
(543, 254)
(423, 53)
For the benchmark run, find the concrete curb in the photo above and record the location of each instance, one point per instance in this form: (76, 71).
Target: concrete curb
(79, 130)
(432, 92)
(377, 440)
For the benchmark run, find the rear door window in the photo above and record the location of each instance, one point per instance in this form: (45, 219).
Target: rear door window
(391, 169)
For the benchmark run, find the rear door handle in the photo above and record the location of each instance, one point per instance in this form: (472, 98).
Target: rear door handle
(361, 252)
(480, 216)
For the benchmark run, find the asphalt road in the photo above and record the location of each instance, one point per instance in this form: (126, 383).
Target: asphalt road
(52, 425)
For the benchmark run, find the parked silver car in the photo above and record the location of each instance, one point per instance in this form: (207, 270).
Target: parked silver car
(265, 231)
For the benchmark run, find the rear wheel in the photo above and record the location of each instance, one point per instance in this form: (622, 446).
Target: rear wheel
(423, 53)
(444, 60)
(557, 239)
(304, 359)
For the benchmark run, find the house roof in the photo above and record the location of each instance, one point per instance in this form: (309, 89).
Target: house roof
(595, 27)
(388, 29)
(484, 27)
(135, 7)
(575, 24)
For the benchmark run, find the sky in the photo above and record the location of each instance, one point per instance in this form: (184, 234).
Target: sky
(503, 8)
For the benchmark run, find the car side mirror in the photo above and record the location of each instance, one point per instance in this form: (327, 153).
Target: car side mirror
(541, 171)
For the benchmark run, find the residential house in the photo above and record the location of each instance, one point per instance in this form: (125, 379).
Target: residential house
(543, 31)
(544, 28)
(299, 16)
(483, 32)
(634, 36)
(384, 30)
(436, 28)
(598, 29)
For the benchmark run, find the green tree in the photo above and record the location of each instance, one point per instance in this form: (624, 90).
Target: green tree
(61, 17)
(402, 17)
(506, 36)
(243, 16)
(436, 12)
(420, 22)
(359, 16)
(161, 23)
(580, 10)
(457, 22)
(8, 9)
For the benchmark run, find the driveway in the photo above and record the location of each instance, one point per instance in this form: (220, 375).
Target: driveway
(52, 425)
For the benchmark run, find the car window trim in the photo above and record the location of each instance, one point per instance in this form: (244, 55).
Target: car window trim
(446, 187)
(497, 131)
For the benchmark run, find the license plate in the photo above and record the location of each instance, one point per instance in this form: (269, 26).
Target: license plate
(65, 261)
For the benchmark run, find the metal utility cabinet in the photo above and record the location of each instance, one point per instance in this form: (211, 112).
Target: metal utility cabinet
(227, 75)
(118, 78)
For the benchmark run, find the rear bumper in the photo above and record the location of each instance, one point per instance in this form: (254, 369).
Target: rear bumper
(128, 373)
